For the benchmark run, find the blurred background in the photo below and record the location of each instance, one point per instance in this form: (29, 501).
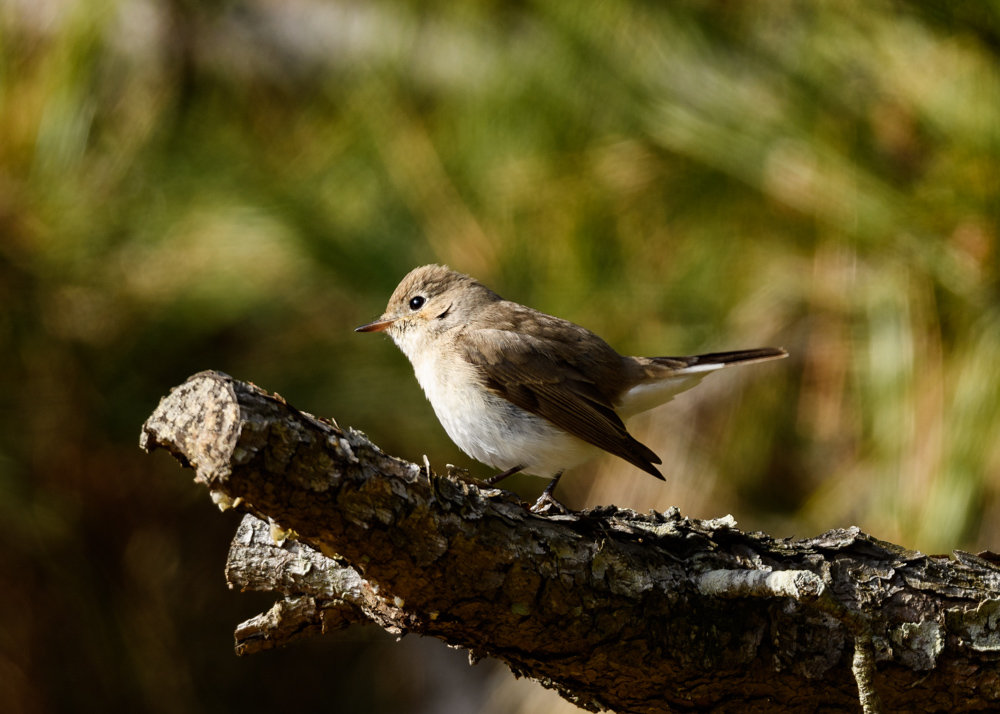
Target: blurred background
(188, 185)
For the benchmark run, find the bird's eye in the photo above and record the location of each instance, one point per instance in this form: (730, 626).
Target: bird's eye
(416, 302)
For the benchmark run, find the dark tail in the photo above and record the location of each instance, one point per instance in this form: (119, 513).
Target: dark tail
(717, 360)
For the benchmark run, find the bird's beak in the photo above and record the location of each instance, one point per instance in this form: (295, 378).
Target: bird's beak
(377, 326)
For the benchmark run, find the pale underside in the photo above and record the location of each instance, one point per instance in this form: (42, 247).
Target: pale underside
(500, 434)
(492, 430)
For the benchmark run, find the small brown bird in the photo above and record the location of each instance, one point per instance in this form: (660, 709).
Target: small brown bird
(524, 391)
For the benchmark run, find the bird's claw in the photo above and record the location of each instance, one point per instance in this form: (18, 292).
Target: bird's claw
(546, 505)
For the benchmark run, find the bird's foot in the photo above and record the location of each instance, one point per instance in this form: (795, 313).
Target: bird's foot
(461, 474)
(493, 480)
(547, 505)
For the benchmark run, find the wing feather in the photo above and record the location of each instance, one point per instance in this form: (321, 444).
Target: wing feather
(561, 372)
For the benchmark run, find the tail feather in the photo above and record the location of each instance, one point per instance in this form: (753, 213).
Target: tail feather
(662, 378)
(718, 360)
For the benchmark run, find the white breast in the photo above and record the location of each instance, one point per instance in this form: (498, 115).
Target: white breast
(488, 427)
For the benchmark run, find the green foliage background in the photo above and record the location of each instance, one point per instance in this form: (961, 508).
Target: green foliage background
(236, 185)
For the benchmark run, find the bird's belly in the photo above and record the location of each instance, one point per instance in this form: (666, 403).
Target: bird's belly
(503, 435)
(490, 429)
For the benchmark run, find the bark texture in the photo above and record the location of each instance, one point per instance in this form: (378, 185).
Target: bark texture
(614, 609)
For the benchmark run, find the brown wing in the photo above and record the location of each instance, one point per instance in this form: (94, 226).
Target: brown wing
(559, 371)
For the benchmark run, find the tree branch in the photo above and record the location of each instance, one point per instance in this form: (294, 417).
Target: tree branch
(614, 609)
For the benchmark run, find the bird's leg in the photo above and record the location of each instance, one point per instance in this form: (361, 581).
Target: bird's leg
(501, 476)
(547, 499)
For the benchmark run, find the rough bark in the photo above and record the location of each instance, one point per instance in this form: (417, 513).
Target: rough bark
(614, 609)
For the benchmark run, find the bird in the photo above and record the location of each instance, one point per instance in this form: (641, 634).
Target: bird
(524, 391)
